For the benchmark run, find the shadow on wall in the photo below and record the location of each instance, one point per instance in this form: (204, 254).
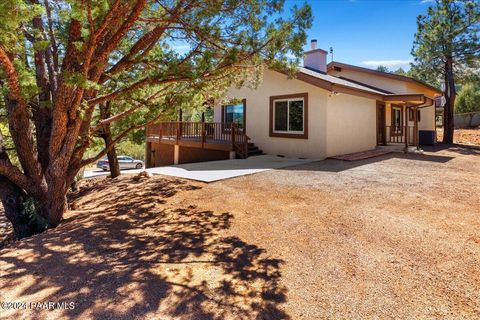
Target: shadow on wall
(134, 258)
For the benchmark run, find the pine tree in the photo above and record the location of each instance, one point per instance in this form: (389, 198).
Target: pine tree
(446, 43)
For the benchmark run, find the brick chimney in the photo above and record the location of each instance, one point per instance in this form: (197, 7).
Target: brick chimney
(315, 58)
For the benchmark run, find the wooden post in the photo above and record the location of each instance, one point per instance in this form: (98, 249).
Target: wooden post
(148, 155)
(203, 129)
(179, 128)
(179, 125)
(232, 130)
(405, 120)
(415, 126)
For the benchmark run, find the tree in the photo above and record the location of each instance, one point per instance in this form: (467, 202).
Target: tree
(445, 43)
(468, 100)
(401, 72)
(383, 69)
(106, 134)
(60, 60)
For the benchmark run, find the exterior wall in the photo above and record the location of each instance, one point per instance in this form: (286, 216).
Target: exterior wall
(188, 155)
(258, 112)
(336, 124)
(351, 124)
(161, 154)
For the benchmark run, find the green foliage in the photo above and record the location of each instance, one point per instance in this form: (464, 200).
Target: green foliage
(401, 72)
(383, 69)
(468, 99)
(449, 30)
(129, 147)
(36, 222)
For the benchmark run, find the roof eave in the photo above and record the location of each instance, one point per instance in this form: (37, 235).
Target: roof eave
(380, 73)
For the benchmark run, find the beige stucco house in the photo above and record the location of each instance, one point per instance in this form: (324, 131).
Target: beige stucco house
(326, 110)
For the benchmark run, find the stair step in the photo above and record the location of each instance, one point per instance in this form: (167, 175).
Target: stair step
(255, 153)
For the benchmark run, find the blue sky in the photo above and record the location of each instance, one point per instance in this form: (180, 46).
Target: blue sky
(366, 32)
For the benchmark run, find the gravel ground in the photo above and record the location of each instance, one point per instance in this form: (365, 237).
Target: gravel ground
(463, 136)
(397, 236)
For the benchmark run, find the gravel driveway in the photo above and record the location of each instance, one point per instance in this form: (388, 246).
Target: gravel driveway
(396, 236)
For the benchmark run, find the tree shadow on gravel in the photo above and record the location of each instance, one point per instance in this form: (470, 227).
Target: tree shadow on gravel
(133, 257)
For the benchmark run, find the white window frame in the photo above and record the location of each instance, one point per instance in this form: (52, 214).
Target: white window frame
(288, 115)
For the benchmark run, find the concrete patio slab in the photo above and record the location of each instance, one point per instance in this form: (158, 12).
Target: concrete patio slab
(210, 171)
(219, 170)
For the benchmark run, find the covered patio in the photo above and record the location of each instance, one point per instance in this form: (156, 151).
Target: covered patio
(398, 117)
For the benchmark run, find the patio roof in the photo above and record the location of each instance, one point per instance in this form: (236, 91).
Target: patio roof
(415, 99)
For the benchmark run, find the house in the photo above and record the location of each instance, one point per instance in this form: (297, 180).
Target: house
(326, 110)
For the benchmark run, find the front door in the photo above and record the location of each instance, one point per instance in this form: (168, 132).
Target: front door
(381, 139)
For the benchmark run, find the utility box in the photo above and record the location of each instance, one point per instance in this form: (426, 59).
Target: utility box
(427, 137)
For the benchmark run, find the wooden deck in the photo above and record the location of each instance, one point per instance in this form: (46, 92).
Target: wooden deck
(207, 135)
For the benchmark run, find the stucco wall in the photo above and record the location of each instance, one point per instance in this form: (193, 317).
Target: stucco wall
(336, 125)
(351, 124)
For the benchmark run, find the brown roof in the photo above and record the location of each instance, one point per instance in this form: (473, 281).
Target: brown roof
(336, 84)
(333, 64)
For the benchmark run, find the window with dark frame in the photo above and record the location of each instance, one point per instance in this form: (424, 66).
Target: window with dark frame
(234, 113)
(410, 115)
(289, 116)
(396, 120)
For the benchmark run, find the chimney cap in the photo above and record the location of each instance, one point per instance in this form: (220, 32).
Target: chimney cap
(313, 44)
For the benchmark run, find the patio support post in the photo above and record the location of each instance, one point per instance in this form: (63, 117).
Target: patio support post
(405, 119)
(415, 126)
(176, 154)
(179, 124)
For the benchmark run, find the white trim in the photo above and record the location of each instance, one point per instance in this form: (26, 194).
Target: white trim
(288, 115)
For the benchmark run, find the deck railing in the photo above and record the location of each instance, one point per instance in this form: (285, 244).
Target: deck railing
(203, 133)
(396, 134)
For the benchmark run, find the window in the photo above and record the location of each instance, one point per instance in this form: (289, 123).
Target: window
(235, 113)
(288, 116)
(410, 115)
(396, 120)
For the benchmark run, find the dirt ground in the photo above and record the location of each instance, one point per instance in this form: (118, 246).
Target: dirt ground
(463, 136)
(397, 236)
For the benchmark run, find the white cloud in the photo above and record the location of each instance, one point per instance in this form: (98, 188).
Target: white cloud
(386, 63)
(426, 1)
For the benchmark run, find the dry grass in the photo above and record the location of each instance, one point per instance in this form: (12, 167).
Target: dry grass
(396, 236)
(463, 136)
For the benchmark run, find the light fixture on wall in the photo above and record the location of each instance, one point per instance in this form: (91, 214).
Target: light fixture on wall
(333, 93)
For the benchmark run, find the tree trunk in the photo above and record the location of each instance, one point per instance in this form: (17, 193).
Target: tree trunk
(12, 199)
(448, 122)
(55, 208)
(105, 112)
